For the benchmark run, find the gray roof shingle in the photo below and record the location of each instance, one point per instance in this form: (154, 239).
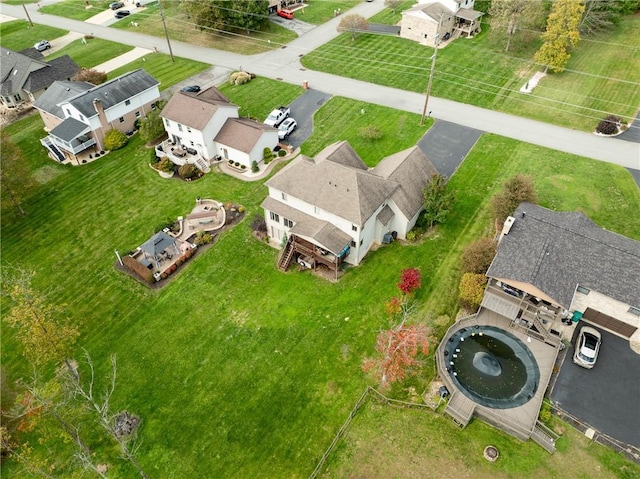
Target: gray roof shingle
(241, 134)
(14, 70)
(556, 251)
(113, 92)
(193, 110)
(59, 92)
(70, 129)
(62, 68)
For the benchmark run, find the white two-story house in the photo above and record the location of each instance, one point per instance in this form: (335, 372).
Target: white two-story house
(206, 125)
(333, 208)
(77, 115)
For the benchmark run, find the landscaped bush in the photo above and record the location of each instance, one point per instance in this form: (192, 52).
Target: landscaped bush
(267, 155)
(115, 139)
(282, 153)
(477, 256)
(236, 164)
(153, 157)
(370, 132)
(258, 224)
(168, 223)
(471, 290)
(188, 170)
(254, 166)
(239, 78)
(609, 126)
(165, 165)
(90, 75)
(139, 269)
(516, 189)
(243, 167)
(203, 238)
(231, 162)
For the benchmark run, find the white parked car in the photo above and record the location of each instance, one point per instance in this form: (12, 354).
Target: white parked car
(286, 128)
(587, 347)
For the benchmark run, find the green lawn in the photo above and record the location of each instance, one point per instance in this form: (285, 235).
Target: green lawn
(473, 71)
(237, 369)
(18, 35)
(180, 28)
(321, 12)
(76, 9)
(92, 53)
(272, 94)
(383, 441)
(161, 68)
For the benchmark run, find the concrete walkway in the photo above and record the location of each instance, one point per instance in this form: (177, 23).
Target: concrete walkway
(121, 60)
(284, 64)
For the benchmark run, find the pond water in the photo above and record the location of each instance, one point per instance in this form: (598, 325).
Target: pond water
(492, 367)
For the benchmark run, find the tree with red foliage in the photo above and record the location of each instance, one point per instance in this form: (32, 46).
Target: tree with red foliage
(399, 348)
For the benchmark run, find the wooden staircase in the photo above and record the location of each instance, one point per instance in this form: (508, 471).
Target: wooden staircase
(460, 408)
(287, 255)
(203, 165)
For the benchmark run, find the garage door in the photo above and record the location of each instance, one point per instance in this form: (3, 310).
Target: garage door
(612, 324)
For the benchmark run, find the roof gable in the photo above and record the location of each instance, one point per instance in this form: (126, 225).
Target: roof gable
(57, 93)
(196, 111)
(14, 70)
(342, 153)
(62, 68)
(556, 251)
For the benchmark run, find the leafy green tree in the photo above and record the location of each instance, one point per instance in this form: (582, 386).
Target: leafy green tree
(353, 24)
(228, 15)
(45, 333)
(477, 256)
(516, 190)
(601, 15)
(438, 200)
(16, 181)
(115, 139)
(508, 16)
(152, 126)
(561, 35)
(393, 4)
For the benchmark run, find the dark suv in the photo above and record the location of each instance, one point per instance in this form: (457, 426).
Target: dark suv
(116, 5)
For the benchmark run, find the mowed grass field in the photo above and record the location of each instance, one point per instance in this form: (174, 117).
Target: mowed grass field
(76, 9)
(236, 369)
(92, 53)
(601, 77)
(18, 35)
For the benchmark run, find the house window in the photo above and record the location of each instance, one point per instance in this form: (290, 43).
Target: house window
(583, 290)
(354, 228)
(17, 97)
(122, 119)
(288, 223)
(284, 196)
(166, 121)
(635, 311)
(127, 102)
(425, 35)
(137, 114)
(179, 127)
(353, 244)
(361, 241)
(274, 217)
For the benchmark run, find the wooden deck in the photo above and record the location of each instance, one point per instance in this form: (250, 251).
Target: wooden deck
(460, 408)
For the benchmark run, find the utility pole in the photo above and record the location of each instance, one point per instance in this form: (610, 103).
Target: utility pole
(27, 13)
(433, 68)
(166, 34)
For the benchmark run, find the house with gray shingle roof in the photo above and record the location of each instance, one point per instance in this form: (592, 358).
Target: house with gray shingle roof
(208, 125)
(77, 115)
(429, 22)
(333, 208)
(25, 75)
(565, 261)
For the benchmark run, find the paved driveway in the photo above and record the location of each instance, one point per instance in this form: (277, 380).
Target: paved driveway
(606, 397)
(302, 110)
(446, 144)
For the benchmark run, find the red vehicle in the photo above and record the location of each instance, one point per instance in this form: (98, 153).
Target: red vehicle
(284, 13)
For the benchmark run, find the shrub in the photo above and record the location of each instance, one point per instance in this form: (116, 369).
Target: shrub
(163, 276)
(203, 238)
(243, 167)
(477, 256)
(282, 152)
(370, 133)
(240, 209)
(240, 78)
(139, 269)
(254, 166)
(516, 190)
(413, 235)
(231, 162)
(237, 163)
(115, 139)
(166, 165)
(267, 155)
(188, 170)
(545, 412)
(168, 223)
(609, 126)
(90, 75)
(471, 290)
(258, 224)
(152, 126)
(153, 157)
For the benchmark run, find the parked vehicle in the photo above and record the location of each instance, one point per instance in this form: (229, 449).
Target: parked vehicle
(587, 347)
(277, 116)
(122, 13)
(286, 128)
(191, 89)
(116, 5)
(42, 45)
(284, 13)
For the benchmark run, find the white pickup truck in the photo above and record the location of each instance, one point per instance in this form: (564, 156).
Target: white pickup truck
(277, 116)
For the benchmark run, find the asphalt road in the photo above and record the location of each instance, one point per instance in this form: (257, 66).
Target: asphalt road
(284, 64)
(607, 397)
